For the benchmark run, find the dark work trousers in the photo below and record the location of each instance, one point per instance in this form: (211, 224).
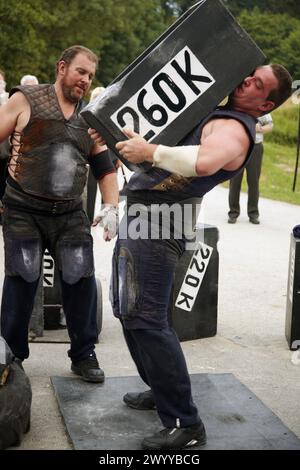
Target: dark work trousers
(161, 364)
(79, 304)
(143, 274)
(28, 229)
(253, 170)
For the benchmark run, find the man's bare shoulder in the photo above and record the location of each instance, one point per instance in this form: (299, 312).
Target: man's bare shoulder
(18, 99)
(16, 105)
(228, 123)
(14, 115)
(228, 126)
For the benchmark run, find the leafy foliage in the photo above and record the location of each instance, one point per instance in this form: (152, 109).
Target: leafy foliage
(22, 48)
(290, 7)
(276, 35)
(34, 32)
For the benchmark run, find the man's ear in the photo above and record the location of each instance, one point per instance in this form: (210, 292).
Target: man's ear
(267, 106)
(61, 67)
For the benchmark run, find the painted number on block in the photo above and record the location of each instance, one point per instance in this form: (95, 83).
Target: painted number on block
(48, 270)
(194, 277)
(165, 96)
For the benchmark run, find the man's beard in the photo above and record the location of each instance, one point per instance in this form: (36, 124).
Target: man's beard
(68, 95)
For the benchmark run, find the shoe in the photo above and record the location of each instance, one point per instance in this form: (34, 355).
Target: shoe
(176, 438)
(254, 220)
(232, 220)
(140, 401)
(89, 369)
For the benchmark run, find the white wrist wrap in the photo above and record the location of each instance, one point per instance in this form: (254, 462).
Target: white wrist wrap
(108, 218)
(180, 160)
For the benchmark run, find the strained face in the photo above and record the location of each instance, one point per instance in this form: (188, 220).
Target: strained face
(252, 93)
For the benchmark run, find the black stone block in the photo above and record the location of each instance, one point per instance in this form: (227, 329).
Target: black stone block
(178, 80)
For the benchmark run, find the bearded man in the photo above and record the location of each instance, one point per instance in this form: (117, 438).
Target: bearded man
(50, 149)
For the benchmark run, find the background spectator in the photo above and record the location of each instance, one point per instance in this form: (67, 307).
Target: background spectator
(29, 80)
(253, 170)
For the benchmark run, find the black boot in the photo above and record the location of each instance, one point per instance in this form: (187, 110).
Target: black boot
(176, 438)
(89, 369)
(140, 401)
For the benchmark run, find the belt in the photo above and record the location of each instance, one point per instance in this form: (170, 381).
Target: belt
(22, 201)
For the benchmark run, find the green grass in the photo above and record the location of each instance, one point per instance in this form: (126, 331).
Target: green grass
(277, 175)
(279, 159)
(285, 130)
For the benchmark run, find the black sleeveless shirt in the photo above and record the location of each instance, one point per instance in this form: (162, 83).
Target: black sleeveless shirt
(162, 186)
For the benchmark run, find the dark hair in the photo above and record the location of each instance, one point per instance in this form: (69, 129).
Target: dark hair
(69, 54)
(284, 90)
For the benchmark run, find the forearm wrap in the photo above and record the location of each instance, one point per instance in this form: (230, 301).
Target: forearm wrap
(180, 160)
(101, 164)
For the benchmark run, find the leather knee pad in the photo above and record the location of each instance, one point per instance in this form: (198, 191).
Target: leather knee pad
(75, 260)
(23, 257)
(124, 286)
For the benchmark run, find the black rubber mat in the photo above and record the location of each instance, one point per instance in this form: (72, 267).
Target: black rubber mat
(97, 418)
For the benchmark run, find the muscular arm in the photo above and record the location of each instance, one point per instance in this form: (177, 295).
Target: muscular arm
(224, 144)
(14, 115)
(225, 147)
(108, 186)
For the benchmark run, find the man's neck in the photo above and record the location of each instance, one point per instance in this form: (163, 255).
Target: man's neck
(230, 105)
(67, 107)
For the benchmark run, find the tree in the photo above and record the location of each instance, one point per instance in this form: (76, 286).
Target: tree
(289, 7)
(289, 52)
(34, 32)
(271, 32)
(176, 8)
(134, 26)
(22, 48)
(115, 30)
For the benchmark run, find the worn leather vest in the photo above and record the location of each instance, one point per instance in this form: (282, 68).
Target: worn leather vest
(162, 180)
(53, 153)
